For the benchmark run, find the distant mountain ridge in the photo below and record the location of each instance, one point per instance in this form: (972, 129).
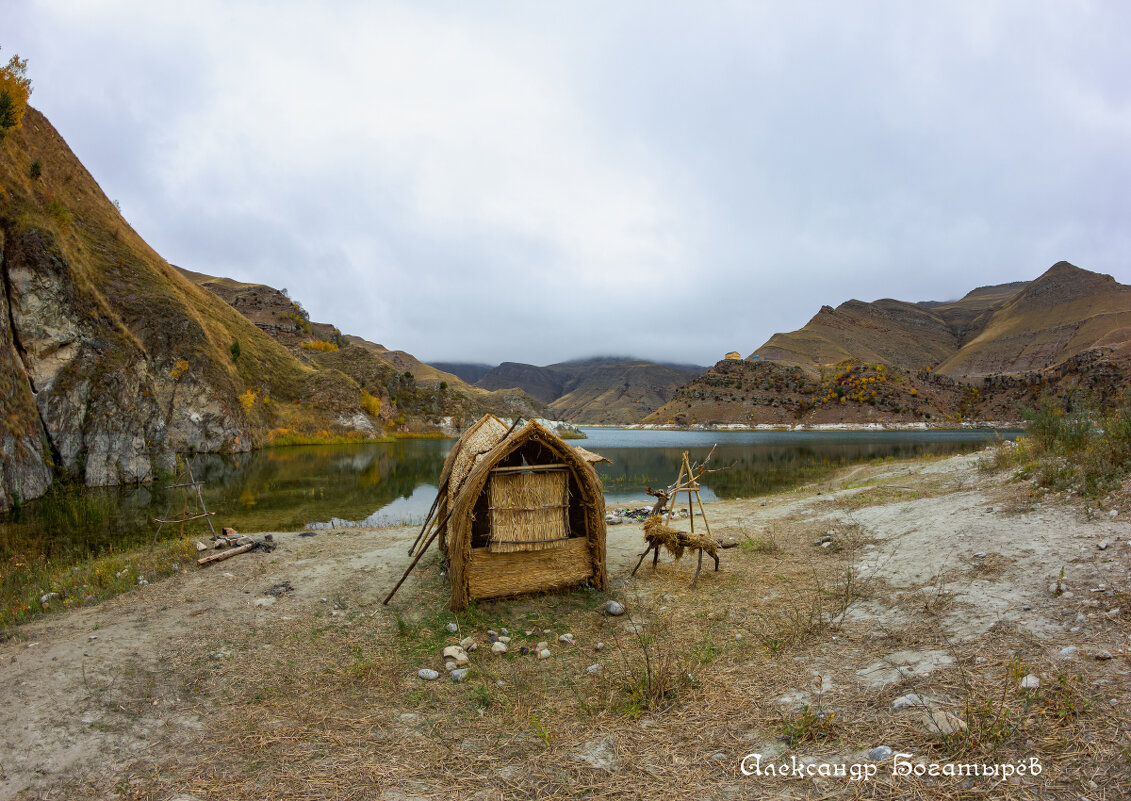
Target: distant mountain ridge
(980, 357)
(607, 390)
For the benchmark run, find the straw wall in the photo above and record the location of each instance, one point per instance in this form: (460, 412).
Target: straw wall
(529, 510)
(495, 575)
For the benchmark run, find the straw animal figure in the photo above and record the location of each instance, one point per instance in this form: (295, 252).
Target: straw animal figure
(659, 535)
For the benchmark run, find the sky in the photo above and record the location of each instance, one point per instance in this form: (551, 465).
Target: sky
(534, 182)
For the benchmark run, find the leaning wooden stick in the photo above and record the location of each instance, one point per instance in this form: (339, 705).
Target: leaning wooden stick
(435, 532)
(228, 554)
(428, 519)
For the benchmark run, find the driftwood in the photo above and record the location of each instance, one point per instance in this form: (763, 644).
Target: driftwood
(228, 554)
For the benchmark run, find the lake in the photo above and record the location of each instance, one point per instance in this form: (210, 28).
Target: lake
(286, 489)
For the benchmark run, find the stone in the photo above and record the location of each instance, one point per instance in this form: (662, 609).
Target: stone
(428, 674)
(452, 628)
(1068, 651)
(614, 608)
(459, 675)
(48, 597)
(980, 555)
(455, 653)
(492, 633)
(1031, 682)
(1102, 655)
(937, 721)
(468, 643)
(592, 669)
(1103, 545)
(504, 639)
(542, 646)
(1113, 513)
(1081, 618)
(1025, 607)
(142, 582)
(822, 540)
(567, 639)
(504, 633)
(530, 633)
(909, 700)
(200, 546)
(599, 647)
(544, 653)
(719, 757)
(599, 754)
(499, 648)
(880, 753)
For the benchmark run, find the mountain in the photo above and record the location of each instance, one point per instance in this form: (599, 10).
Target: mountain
(469, 372)
(603, 390)
(412, 394)
(112, 360)
(983, 356)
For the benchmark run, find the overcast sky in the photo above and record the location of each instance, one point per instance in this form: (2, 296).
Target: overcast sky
(491, 181)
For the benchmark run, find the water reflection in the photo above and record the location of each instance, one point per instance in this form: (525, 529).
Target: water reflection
(380, 484)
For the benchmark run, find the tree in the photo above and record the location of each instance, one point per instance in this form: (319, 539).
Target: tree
(15, 88)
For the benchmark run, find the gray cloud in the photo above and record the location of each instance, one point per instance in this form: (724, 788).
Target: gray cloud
(534, 182)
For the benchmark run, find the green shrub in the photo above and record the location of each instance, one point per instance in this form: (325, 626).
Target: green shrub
(35, 170)
(234, 349)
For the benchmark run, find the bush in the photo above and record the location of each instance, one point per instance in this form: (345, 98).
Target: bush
(320, 344)
(1082, 447)
(234, 349)
(35, 170)
(370, 405)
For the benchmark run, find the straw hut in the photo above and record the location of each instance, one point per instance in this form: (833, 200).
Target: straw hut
(524, 513)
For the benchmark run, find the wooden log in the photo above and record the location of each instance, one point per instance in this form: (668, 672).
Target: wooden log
(228, 554)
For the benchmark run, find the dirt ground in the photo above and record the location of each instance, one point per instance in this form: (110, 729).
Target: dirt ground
(942, 596)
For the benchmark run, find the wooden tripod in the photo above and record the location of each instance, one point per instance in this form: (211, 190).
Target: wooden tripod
(183, 481)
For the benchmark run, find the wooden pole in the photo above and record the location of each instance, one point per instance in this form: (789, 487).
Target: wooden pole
(199, 497)
(428, 518)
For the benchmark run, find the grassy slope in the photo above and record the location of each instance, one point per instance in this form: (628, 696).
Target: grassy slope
(163, 312)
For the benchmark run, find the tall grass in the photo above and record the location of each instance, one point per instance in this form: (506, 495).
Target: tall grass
(1082, 447)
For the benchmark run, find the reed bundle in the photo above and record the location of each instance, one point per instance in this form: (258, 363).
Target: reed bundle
(529, 510)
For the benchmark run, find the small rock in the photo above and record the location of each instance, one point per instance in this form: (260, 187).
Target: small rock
(1103, 545)
(599, 647)
(92, 637)
(459, 675)
(738, 636)
(980, 555)
(492, 633)
(719, 757)
(530, 633)
(499, 648)
(542, 646)
(524, 650)
(1102, 655)
(614, 608)
(1080, 618)
(47, 597)
(492, 637)
(504, 633)
(1113, 513)
(1025, 607)
(594, 668)
(200, 546)
(456, 654)
(905, 701)
(142, 582)
(566, 638)
(937, 721)
(823, 540)
(1068, 651)
(980, 660)
(1031, 682)
(428, 674)
(505, 640)
(452, 628)
(468, 643)
(544, 653)
(880, 753)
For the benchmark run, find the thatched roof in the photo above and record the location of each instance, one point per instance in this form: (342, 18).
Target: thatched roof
(473, 469)
(589, 456)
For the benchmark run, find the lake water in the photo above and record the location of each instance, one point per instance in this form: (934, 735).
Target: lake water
(295, 488)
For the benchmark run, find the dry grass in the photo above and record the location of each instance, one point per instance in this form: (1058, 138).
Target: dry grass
(328, 705)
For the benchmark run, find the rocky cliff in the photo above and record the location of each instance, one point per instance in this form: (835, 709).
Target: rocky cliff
(111, 359)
